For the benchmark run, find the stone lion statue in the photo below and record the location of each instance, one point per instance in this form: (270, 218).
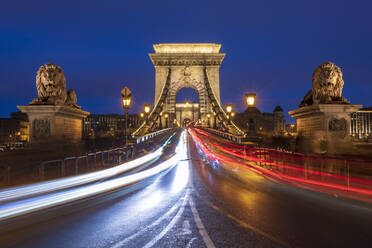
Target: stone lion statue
(327, 86)
(51, 87)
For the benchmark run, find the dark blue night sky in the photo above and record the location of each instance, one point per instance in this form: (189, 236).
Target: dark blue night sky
(272, 47)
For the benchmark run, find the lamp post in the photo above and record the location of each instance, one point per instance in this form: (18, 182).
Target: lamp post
(142, 115)
(160, 121)
(250, 99)
(166, 120)
(126, 96)
(209, 120)
(146, 109)
(215, 120)
(229, 108)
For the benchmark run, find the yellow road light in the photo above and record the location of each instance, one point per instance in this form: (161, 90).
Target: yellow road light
(229, 108)
(146, 108)
(126, 95)
(250, 99)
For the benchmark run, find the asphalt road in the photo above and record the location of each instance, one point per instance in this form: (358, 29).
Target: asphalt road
(198, 204)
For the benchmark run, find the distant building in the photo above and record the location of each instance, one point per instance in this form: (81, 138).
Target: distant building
(279, 121)
(14, 129)
(361, 124)
(253, 121)
(106, 125)
(291, 129)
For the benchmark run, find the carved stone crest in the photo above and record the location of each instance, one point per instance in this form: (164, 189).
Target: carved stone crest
(187, 71)
(41, 128)
(337, 127)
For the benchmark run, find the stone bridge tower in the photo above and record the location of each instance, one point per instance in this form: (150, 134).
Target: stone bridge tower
(187, 62)
(188, 65)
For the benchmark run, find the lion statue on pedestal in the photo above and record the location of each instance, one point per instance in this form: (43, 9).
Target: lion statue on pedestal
(51, 87)
(327, 86)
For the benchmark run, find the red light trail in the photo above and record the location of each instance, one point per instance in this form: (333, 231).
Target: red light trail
(302, 171)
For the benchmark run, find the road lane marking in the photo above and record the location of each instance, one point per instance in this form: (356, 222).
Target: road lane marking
(203, 232)
(186, 228)
(157, 222)
(171, 224)
(246, 225)
(190, 242)
(237, 220)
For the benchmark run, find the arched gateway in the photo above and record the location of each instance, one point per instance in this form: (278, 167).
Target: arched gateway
(180, 66)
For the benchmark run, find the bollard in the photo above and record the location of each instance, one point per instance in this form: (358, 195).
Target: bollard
(87, 163)
(41, 171)
(127, 155)
(63, 168)
(95, 160)
(133, 152)
(102, 159)
(76, 166)
(8, 175)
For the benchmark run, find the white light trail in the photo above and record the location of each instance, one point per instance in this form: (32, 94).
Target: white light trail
(22, 207)
(74, 181)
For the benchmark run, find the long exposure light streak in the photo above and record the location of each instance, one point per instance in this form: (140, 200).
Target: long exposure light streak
(60, 184)
(74, 181)
(361, 188)
(254, 156)
(22, 207)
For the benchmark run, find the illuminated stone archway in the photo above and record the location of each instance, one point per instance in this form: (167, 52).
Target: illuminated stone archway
(187, 82)
(177, 66)
(187, 62)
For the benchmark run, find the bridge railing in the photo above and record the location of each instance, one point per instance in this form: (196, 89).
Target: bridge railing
(34, 171)
(229, 136)
(116, 154)
(152, 135)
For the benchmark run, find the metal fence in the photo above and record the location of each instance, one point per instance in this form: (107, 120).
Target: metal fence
(33, 171)
(89, 161)
(229, 136)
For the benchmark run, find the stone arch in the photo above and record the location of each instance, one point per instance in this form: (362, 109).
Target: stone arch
(187, 82)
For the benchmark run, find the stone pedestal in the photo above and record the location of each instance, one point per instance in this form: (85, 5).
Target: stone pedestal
(324, 128)
(54, 123)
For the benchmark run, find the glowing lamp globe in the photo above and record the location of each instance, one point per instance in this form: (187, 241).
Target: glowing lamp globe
(250, 99)
(147, 109)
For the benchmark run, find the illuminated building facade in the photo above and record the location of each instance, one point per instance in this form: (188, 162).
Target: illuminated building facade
(253, 121)
(14, 129)
(106, 125)
(361, 124)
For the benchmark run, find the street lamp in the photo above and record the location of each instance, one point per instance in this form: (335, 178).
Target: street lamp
(166, 120)
(126, 96)
(147, 109)
(215, 120)
(209, 122)
(250, 98)
(142, 115)
(229, 108)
